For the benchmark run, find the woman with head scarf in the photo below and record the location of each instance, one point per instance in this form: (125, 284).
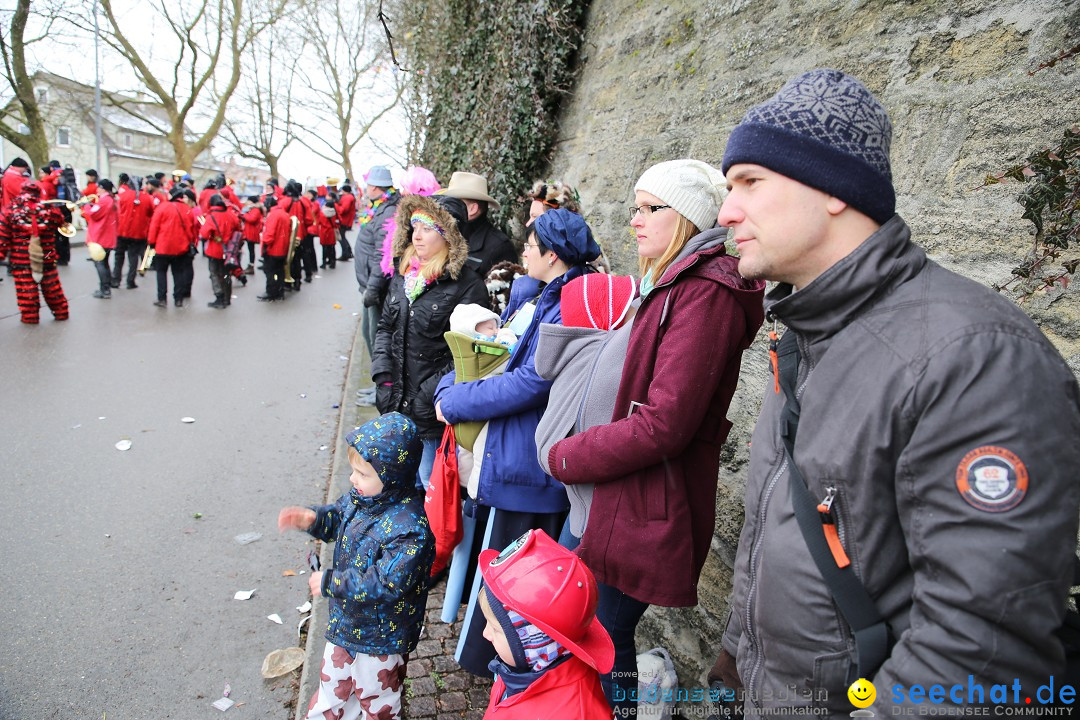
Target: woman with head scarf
(519, 494)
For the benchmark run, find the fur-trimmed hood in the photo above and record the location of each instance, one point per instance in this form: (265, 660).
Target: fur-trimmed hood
(459, 247)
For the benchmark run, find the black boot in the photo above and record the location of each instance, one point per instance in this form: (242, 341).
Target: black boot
(219, 303)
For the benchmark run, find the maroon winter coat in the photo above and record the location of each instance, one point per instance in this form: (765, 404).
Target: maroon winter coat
(102, 221)
(134, 218)
(221, 223)
(172, 229)
(655, 465)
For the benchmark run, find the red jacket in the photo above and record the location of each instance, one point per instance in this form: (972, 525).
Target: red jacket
(48, 185)
(204, 198)
(229, 196)
(172, 229)
(655, 464)
(220, 224)
(325, 228)
(275, 236)
(346, 207)
(102, 221)
(571, 689)
(306, 213)
(253, 222)
(12, 185)
(90, 189)
(134, 217)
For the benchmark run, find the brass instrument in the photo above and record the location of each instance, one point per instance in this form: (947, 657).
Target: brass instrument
(147, 258)
(294, 241)
(86, 200)
(67, 229)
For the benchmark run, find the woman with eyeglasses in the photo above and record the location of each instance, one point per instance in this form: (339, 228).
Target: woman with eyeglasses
(655, 465)
(514, 494)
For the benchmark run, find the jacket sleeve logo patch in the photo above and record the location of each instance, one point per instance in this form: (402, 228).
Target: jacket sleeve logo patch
(992, 479)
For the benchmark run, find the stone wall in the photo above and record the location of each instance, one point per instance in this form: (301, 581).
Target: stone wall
(663, 81)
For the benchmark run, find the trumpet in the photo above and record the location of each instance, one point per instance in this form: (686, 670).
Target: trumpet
(66, 203)
(86, 200)
(67, 229)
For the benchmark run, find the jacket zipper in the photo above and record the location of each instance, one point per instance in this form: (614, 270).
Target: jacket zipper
(757, 546)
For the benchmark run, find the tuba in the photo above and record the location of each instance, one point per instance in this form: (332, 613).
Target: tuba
(294, 235)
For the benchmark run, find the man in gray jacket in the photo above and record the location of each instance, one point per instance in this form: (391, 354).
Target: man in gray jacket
(937, 436)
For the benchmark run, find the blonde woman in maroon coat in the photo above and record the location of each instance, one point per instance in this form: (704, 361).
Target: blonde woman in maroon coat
(655, 465)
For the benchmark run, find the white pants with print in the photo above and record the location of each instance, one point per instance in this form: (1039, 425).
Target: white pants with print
(364, 686)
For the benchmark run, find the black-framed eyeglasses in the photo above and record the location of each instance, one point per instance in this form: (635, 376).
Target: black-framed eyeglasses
(645, 210)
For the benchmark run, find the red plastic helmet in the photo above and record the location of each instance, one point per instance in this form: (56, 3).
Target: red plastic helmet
(552, 588)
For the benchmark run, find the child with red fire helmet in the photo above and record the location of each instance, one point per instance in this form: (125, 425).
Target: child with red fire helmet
(539, 601)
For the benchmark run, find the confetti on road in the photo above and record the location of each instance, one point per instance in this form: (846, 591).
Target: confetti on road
(275, 618)
(123, 445)
(248, 537)
(187, 419)
(243, 594)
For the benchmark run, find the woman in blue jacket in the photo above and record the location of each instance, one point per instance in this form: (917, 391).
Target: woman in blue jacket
(512, 483)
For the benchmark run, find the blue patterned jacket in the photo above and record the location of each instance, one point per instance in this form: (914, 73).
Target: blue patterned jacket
(378, 586)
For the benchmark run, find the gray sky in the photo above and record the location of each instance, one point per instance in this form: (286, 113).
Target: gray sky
(71, 55)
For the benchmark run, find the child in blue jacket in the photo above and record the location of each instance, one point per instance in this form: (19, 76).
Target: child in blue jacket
(378, 586)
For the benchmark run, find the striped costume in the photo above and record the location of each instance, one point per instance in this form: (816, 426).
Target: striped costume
(20, 222)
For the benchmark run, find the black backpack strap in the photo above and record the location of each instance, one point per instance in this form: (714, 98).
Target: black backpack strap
(869, 628)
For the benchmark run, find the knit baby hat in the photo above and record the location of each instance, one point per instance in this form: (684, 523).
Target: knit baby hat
(597, 300)
(825, 130)
(467, 316)
(695, 189)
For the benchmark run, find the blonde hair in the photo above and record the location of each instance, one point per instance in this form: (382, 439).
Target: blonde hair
(684, 230)
(429, 270)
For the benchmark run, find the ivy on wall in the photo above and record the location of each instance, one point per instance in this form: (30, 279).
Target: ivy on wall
(487, 78)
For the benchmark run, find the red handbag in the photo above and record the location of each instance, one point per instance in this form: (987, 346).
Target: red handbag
(443, 502)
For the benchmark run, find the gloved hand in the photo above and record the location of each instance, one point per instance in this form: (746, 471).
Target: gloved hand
(371, 297)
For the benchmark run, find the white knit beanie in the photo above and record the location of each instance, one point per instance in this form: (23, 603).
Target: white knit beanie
(695, 189)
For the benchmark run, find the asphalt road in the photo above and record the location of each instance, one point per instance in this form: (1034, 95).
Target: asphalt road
(117, 600)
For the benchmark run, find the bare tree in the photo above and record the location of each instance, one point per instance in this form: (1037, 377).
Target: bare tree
(212, 36)
(351, 89)
(24, 108)
(264, 127)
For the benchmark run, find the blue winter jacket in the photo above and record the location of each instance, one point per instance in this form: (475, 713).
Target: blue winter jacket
(384, 548)
(513, 403)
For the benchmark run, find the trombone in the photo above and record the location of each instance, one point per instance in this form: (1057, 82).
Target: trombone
(67, 229)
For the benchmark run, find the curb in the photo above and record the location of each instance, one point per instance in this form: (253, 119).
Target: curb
(338, 483)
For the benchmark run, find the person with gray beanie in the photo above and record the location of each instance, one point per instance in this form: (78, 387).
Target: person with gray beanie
(655, 466)
(911, 499)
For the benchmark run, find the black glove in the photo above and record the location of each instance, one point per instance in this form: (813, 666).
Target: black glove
(371, 297)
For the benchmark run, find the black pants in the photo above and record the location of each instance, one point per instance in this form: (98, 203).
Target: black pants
(346, 249)
(133, 250)
(274, 267)
(251, 251)
(220, 280)
(63, 249)
(102, 267)
(329, 255)
(182, 272)
(307, 256)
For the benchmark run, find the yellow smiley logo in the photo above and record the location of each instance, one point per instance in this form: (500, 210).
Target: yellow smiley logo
(862, 693)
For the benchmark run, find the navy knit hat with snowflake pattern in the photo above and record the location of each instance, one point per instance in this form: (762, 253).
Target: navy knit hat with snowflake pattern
(826, 130)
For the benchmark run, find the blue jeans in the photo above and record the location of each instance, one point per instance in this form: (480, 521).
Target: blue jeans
(619, 614)
(427, 462)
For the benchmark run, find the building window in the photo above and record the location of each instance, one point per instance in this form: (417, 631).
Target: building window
(129, 141)
(42, 95)
(63, 136)
(24, 129)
